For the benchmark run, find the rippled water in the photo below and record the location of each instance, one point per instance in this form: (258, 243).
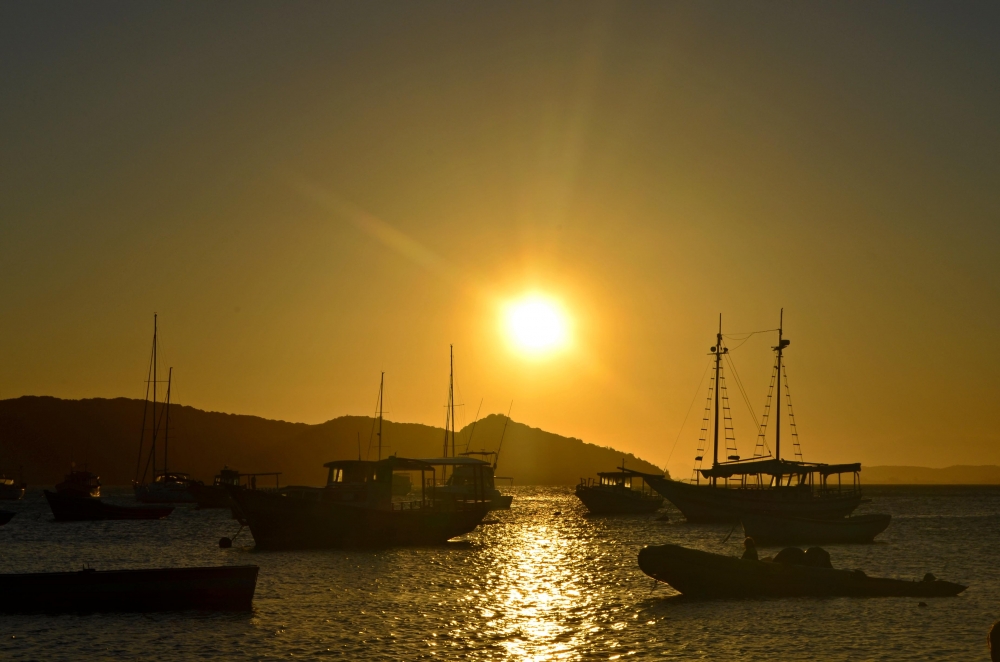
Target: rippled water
(544, 582)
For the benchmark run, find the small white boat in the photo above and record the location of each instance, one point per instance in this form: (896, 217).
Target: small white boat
(772, 529)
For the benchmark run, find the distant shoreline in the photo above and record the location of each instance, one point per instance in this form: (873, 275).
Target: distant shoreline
(988, 474)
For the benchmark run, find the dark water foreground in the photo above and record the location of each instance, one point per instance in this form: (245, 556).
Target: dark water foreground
(537, 586)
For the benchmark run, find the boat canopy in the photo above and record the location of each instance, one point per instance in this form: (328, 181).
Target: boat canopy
(455, 461)
(397, 464)
(774, 467)
(626, 473)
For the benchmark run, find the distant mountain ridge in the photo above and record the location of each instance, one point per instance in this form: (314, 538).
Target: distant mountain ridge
(40, 436)
(988, 474)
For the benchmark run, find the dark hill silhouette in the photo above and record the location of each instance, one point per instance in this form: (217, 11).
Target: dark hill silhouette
(42, 435)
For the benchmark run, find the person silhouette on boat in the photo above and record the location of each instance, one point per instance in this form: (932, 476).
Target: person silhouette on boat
(749, 549)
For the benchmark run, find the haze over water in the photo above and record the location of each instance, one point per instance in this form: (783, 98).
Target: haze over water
(546, 582)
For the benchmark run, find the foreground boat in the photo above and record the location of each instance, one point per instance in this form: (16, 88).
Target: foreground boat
(768, 529)
(6, 516)
(73, 508)
(702, 574)
(615, 493)
(224, 588)
(356, 509)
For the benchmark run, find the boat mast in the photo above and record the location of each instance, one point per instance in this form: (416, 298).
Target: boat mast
(777, 420)
(381, 385)
(451, 394)
(166, 432)
(155, 422)
(718, 360)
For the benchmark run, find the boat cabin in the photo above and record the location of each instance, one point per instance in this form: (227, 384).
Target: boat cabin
(621, 480)
(371, 482)
(768, 473)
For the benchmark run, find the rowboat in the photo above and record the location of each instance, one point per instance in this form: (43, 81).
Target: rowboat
(223, 588)
(706, 575)
(772, 529)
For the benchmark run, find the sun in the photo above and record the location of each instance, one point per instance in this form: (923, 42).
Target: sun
(536, 325)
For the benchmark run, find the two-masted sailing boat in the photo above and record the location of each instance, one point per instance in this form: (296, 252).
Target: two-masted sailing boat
(764, 483)
(166, 486)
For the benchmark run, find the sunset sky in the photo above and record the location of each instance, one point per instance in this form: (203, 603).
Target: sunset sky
(311, 193)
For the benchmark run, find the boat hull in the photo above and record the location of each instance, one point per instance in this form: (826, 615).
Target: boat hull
(226, 588)
(164, 493)
(286, 521)
(768, 529)
(71, 508)
(501, 502)
(210, 496)
(11, 492)
(6, 516)
(704, 503)
(705, 575)
(612, 502)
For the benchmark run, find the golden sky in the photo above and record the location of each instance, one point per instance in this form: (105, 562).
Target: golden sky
(311, 193)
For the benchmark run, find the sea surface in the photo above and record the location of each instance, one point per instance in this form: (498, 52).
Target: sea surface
(545, 582)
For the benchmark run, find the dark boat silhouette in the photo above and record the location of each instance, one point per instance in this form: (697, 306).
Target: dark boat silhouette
(765, 483)
(6, 516)
(216, 495)
(12, 490)
(166, 486)
(768, 529)
(224, 588)
(80, 483)
(73, 508)
(356, 508)
(614, 493)
(705, 575)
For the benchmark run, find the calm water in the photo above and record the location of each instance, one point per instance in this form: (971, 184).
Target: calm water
(545, 582)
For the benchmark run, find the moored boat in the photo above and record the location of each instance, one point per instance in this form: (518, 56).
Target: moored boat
(75, 508)
(80, 483)
(769, 529)
(223, 588)
(465, 478)
(217, 496)
(615, 492)
(706, 575)
(6, 516)
(357, 509)
(765, 483)
(11, 490)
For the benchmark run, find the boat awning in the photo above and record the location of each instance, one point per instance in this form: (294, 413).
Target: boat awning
(773, 467)
(397, 464)
(627, 473)
(455, 461)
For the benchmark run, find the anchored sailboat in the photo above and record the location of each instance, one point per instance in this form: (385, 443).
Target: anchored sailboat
(166, 486)
(765, 483)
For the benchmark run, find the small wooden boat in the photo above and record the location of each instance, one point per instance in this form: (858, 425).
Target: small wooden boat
(772, 529)
(225, 588)
(702, 574)
(6, 516)
(73, 508)
(615, 492)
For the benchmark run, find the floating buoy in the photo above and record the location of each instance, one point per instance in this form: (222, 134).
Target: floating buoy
(921, 604)
(225, 543)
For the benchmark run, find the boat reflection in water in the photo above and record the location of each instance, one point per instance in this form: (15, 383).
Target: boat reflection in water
(357, 508)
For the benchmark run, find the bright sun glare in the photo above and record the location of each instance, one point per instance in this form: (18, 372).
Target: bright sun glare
(536, 325)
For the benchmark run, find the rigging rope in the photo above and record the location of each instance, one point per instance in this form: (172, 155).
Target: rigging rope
(743, 337)
(690, 407)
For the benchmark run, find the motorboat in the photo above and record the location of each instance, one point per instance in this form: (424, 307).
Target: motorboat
(80, 483)
(357, 508)
(68, 507)
(618, 492)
